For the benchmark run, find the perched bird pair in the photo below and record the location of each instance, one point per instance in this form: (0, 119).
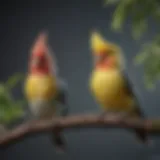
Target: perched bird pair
(108, 82)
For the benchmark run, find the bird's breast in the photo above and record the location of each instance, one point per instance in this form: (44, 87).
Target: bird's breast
(40, 87)
(108, 88)
(41, 108)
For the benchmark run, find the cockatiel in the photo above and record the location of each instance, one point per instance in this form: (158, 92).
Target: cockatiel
(44, 90)
(109, 83)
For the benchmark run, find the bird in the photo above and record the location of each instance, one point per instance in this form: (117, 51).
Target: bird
(109, 82)
(46, 92)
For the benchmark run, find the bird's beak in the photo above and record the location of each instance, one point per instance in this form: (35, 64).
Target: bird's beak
(99, 57)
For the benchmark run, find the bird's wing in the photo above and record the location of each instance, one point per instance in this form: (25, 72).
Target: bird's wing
(62, 97)
(141, 134)
(131, 91)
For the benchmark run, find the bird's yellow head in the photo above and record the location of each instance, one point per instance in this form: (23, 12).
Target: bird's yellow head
(106, 55)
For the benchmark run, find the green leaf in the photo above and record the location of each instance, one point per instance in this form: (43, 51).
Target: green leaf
(13, 80)
(149, 84)
(157, 14)
(5, 96)
(10, 109)
(11, 114)
(120, 14)
(138, 28)
(110, 2)
(140, 58)
(138, 12)
(118, 18)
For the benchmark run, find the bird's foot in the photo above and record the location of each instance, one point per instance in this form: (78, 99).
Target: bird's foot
(114, 116)
(103, 114)
(122, 114)
(119, 115)
(109, 115)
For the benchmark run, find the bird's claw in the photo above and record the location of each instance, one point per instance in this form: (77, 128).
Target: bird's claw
(114, 115)
(103, 114)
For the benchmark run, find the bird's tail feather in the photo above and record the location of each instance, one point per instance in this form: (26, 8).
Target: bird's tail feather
(141, 134)
(58, 141)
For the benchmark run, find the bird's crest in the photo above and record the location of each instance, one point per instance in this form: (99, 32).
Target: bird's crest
(41, 46)
(99, 44)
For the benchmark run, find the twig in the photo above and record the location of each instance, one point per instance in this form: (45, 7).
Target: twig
(78, 121)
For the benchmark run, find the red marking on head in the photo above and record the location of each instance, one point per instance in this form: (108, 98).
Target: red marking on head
(105, 61)
(40, 61)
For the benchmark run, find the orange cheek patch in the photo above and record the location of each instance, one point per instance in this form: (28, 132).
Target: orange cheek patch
(110, 61)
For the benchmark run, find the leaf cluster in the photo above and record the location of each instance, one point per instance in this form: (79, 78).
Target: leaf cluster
(138, 13)
(10, 109)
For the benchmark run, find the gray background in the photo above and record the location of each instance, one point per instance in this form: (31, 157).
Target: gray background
(69, 24)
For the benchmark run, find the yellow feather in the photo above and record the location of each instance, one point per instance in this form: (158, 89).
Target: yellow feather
(108, 89)
(99, 44)
(40, 87)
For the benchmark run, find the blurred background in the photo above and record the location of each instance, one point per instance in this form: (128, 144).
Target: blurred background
(69, 24)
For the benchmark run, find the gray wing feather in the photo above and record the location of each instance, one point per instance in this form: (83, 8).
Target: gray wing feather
(140, 133)
(130, 89)
(62, 97)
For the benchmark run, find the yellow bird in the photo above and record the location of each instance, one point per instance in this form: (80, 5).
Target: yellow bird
(109, 83)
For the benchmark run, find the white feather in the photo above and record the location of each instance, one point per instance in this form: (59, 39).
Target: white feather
(42, 109)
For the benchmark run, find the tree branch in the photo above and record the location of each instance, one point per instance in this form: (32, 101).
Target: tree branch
(78, 121)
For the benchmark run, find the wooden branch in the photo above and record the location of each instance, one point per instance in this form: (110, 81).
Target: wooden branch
(78, 121)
